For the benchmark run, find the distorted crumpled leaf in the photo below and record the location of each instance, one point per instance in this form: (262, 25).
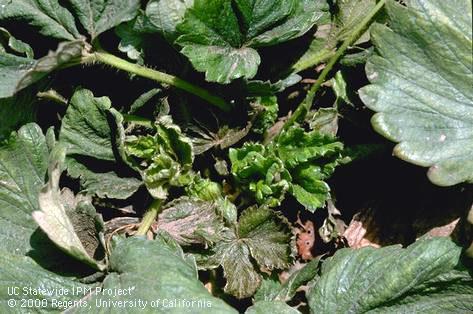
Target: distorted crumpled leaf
(421, 89)
(370, 279)
(261, 172)
(17, 72)
(163, 159)
(265, 110)
(8, 42)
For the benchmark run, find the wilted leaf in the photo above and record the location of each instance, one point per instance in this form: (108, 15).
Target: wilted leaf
(56, 212)
(366, 279)
(17, 73)
(8, 42)
(191, 221)
(421, 86)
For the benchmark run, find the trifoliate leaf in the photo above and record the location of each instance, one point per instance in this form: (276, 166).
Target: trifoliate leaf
(59, 211)
(262, 238)
(25, 252)
(50, 17)
(190, 221)
(17, 73)
(421, 86)
(366, 279)
(165, 158)
(86, 130)
(215, 43)
(278, 307)
(98, 16)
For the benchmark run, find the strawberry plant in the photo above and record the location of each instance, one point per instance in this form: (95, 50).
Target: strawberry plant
(216, 156)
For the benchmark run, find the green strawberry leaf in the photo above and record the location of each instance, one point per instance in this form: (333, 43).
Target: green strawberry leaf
(156, 270)
(278, 307)
(262, 238)
(49, 16)
(213, 41)
(392, 278)
(103, 184)
(16, 111)
(98, 16)
(421, 86)
(86, 130)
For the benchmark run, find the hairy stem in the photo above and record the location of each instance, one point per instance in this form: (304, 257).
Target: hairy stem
(306, 104)
(161, 77)
(149, 217)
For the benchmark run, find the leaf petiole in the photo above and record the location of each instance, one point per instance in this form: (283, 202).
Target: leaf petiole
(149, 217)
(161, 77)
(306, 104)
